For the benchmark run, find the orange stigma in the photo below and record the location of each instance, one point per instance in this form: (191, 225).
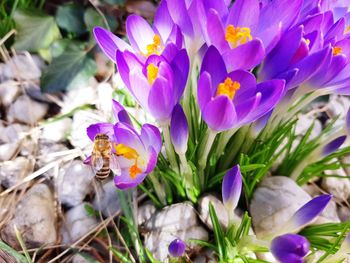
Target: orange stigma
(337, 51)
(134, 170)
(155, 47)
(152, 73)
(237, 35)
(228, 88)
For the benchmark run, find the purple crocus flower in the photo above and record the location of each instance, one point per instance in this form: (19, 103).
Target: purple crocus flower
(135, 153)
(307, 213)
(230, 100)
(248, 30)
(158, 83)
(144, 39)
(231, 189)
(290, 248)
(179, 130)
(333, 145)
(177, 248)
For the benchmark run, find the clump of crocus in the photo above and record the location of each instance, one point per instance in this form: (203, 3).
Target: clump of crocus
(177, 248)
(135, 153)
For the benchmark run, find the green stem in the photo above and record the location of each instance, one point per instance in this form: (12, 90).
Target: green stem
(223, 140)
(158, 189)
(169, 148)
(204, 149)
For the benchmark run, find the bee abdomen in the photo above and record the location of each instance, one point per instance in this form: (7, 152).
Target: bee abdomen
(104, 172)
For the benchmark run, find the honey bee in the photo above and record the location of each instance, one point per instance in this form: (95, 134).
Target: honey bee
(102, 158)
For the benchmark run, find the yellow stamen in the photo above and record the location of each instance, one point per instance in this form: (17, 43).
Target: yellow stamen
(337, 51)
(134, 170)
(347, 29)
(152, 73)
(228, 88)
(307, 41)
(126, 151)
(237, 35)
(155, 47)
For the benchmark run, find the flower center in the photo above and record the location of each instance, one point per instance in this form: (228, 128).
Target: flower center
(237, 35)
(126, 151)
(337, 51)
(228, 88)
(307, 41)
(347, 29)
(152, 73)
(155, 47)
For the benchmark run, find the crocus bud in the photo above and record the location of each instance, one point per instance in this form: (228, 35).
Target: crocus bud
(333, 145)
(179, 130)
(307, 213)
(290, 248)
(177, 248)
(120, 114)
(231, 188)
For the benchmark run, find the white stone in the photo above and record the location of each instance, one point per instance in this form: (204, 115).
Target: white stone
(339, 188)
(173, 218)
(75, 183)
(9, 91)
(104, 92)
(79, 259)
(106, 198)
(24, 67)
(145, 212)
(344, 213)
(77, 223)
(12, 172)
(275, 200)
(34, 218)
(13, 132)
(329, 214)
(58, 130)
(304, 123)
(8, 150)
(26, 111)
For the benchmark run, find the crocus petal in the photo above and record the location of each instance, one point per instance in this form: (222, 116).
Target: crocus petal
(105, 128)
(248, 84)
(139, 32)
(161, 99)
(231, 188)
(124, 181)
(308, 212)
(271, 93)
(127, 135)
(180, 65)
(204, 89)
(152, 161)
(214, 65)
(109, 43)
(87, 160)
(245, 56)
(127, 61)
(347, 123)
(276, 12)
(290, 248)
(333, 145)
(150, 136)
(120, 113)
(179, 130)
(163, 21)
(308, 67)
(179, 14)
(220, 114)
(244, 13)
(216, 32)
(177, 248)
(140, 88)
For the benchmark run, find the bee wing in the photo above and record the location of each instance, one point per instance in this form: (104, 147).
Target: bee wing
(96, 161)
(114, 165)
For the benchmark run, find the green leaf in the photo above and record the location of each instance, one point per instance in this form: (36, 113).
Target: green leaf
(92, 18)
(70, 17)
(12, 252)
(120, 256)
(70, 70)
(218, 232)
(35, 30)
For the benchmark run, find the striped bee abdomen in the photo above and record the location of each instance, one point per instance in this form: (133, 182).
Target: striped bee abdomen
(103, 173)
